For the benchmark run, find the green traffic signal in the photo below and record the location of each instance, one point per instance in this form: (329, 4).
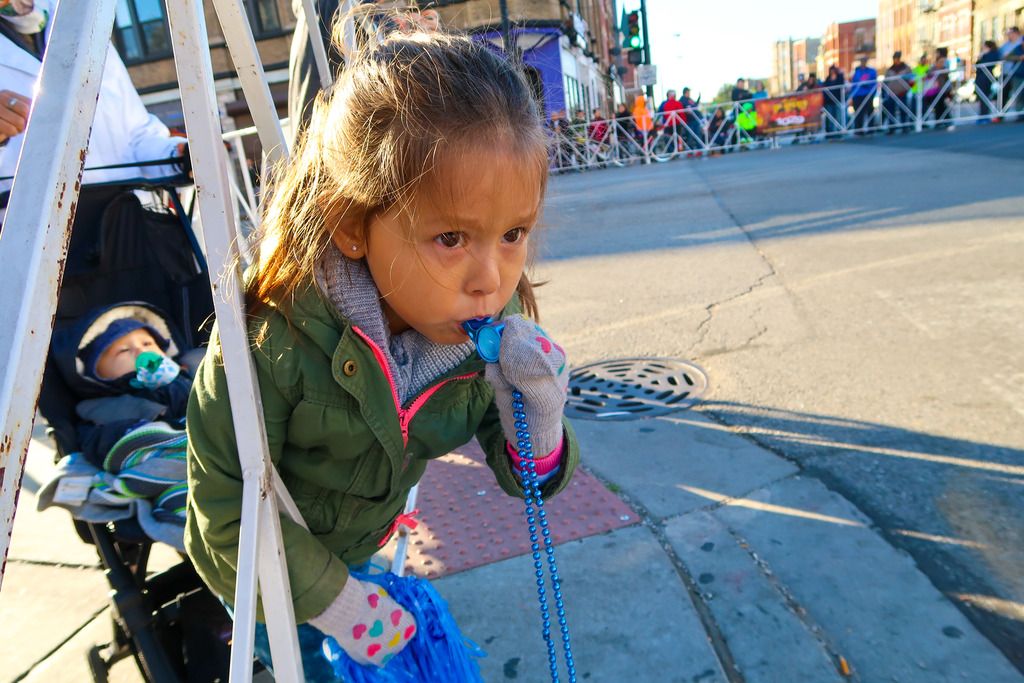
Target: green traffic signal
(632, 40)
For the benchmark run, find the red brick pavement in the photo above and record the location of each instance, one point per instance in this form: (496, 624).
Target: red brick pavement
(466, 521)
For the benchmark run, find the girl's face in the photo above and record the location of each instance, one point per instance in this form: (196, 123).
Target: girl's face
(465, 250)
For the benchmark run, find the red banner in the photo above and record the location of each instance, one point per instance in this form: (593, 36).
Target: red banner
(800, 111)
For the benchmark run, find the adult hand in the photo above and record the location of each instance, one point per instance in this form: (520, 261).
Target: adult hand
(186, 160)
(14, 110)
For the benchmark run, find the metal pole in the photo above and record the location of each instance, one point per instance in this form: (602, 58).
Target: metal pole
(918, 114)
(37, 227)
(316, 41)
(260, 552)
(246, 59)
(506, 31)
(647, 45)
(401, 548)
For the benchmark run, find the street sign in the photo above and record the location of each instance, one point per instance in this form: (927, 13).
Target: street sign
(646, 74)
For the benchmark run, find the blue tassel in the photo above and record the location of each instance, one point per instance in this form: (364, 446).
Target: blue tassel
(438, 651)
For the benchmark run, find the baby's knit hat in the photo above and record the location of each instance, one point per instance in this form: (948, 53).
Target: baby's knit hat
(91, 352)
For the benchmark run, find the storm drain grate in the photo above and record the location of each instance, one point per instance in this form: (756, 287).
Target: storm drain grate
(633, 388)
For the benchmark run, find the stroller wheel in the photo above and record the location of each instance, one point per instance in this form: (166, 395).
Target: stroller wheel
(102, 657)
(98, 666)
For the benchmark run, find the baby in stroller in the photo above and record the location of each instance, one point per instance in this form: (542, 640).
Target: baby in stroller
(122, 468)
(130, 429)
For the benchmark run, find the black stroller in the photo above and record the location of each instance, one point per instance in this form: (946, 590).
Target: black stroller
(121, 251)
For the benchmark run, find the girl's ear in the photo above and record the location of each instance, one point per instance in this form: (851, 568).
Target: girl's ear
(349, 234)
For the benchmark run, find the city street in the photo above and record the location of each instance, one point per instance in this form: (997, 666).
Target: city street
(844, 504)
(858, 309)
(782, 257)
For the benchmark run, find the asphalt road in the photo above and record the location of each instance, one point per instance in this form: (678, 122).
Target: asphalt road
(859, 309)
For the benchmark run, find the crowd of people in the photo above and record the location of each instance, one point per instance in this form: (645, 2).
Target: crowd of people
(848, 104)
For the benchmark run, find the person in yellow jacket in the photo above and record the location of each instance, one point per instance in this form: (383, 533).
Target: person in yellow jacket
(920, 71)
(747, 122)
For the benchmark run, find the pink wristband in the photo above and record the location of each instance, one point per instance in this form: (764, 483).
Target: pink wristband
(542, 465)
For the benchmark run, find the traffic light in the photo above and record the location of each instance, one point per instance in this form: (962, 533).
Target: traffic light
(633, 40)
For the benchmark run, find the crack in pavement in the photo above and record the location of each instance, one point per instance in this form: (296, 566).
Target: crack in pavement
(719, 646)
(792, 604)
(55, 564)
(704, 327)
(95, 615)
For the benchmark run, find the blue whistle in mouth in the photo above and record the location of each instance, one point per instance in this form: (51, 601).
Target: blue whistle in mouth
(485, 333)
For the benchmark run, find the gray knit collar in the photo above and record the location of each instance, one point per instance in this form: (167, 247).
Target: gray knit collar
(414, 360)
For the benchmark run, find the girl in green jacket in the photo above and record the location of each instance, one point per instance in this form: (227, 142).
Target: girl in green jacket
(407, 209)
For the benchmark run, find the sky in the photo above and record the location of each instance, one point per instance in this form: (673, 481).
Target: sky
(707, 43)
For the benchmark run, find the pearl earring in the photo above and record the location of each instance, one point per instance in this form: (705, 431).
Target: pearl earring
(355, 248)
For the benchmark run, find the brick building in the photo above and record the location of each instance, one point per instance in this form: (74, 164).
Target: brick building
(992, 18)
(805, 53)
(792, 62)
(565, 44)
(953, 29)
(948, 24)
(782, 67)
(895, 29)
(844, 43)
(142, 37)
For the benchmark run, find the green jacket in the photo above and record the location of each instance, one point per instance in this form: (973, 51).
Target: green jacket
(920, 71)
(344, 450)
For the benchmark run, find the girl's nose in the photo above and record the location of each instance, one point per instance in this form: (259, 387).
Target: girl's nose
(484, 276)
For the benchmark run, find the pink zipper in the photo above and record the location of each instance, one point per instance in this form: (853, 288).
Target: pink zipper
(405, 415)
(382, 362)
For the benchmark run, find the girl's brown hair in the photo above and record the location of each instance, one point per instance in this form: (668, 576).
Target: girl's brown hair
(398, 109)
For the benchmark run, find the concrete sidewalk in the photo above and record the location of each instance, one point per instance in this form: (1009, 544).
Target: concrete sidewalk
(734, 567)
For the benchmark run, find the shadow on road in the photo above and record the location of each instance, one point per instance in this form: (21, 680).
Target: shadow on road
(805, 190)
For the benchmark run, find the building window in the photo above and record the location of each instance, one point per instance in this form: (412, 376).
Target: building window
(140, 30)
(572, 96)
(264, 17)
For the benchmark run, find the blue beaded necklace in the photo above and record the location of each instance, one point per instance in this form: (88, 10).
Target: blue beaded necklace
(447, 655)
(486, 335)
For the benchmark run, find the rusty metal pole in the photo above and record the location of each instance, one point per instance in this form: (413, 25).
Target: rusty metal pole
(37, 227)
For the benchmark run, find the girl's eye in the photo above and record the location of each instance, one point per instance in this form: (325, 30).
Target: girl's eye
(514, 235)
(450, 240)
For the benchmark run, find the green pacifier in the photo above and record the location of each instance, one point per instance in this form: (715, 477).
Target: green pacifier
(148, 361)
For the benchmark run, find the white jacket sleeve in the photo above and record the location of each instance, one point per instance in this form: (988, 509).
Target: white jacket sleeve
(147, 137)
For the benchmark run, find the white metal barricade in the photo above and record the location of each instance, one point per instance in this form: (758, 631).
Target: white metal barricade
(940, 99)
(586, 143)
(261, 560)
